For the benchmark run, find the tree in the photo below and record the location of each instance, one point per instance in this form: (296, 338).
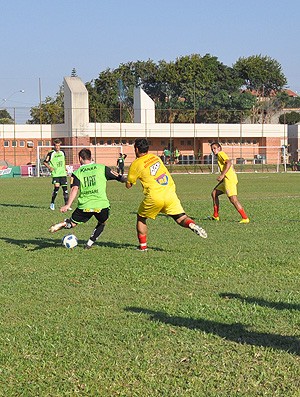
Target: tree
(74, 73)
(5, 117)
(192, 88)
(51, 111)
(261, 75)
(289, 118)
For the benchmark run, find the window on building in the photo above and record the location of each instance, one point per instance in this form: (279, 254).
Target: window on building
(163, 143)
(6, 143)
(22, 143)
(181, 143)
(101, 142)
(40, 143)
(14, 144)
(47, 143)
(109, 142)
(189, 142)
(29, 144)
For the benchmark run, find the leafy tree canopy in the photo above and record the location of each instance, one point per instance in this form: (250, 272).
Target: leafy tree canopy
(193, 88)
(260, 74)
(5, 117)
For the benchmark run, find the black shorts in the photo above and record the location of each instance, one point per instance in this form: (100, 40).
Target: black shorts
(62, 180)
(80, 216)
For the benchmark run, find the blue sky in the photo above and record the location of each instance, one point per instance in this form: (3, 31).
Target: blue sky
(41, 41)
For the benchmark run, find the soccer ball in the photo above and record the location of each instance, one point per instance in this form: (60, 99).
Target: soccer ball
(69, 241)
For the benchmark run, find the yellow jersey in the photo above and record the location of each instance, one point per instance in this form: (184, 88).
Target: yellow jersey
(230, 174)
(154, 176)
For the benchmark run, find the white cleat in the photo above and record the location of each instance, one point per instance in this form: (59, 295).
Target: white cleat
(57, 227)
(52, 206)
(198, 230)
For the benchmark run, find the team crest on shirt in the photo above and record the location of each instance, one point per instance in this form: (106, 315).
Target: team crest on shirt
(154, 168)
(162, 179)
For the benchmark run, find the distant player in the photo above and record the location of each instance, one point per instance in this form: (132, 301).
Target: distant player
(89, 182)
(159, 190)
(227, 184)
(55, 161)
(121, 163)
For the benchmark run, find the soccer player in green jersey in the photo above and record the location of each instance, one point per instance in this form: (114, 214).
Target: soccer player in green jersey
(89, 183)
(227, 183)
(121, 163)
(55, 161)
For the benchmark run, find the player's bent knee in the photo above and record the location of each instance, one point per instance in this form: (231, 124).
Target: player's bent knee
(178, 217)
(70, 224)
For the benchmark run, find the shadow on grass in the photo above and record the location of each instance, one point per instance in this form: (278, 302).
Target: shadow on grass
(42, 243)
(261, 302)
(20, 205)
(112, 244)
(38, 243)
(233, 332)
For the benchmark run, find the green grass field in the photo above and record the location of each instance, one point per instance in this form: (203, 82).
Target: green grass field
(191, 317)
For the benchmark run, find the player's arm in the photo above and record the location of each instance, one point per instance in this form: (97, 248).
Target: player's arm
(111, 175)
(75, 183)
(131, 178)
(46, 162)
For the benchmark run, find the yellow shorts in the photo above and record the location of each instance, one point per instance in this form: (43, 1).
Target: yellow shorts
(228, 187)
(167, 203)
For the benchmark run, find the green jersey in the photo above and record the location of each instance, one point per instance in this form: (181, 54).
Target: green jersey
(91, 179)
(57, 160)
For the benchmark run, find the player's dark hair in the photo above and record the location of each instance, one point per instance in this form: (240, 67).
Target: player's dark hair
(216, 143)
(56, 141)
(85, 154)
(142, 145)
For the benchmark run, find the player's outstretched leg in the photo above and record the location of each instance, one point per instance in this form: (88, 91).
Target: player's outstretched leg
(198, 230)
(184, 221)
(66, 224)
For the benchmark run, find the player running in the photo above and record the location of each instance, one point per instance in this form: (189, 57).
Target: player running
(227, 184)
(90, 182)
(55, 161)
(159, 190)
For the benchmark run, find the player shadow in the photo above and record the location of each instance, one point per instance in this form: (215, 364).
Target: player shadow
(111, 244)
(19, 205)
(37, 243)
(235, 332)
(261, 302)
(42, 243)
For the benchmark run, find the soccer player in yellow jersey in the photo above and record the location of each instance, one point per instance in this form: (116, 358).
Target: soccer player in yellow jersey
(227, 184)
(159, 190)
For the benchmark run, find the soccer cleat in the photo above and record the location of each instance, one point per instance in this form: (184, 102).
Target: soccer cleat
(198, 230)
(52, 206)
(247, 220)
(214, 218)
(57, 227)
(87, 247)
(141, 249)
